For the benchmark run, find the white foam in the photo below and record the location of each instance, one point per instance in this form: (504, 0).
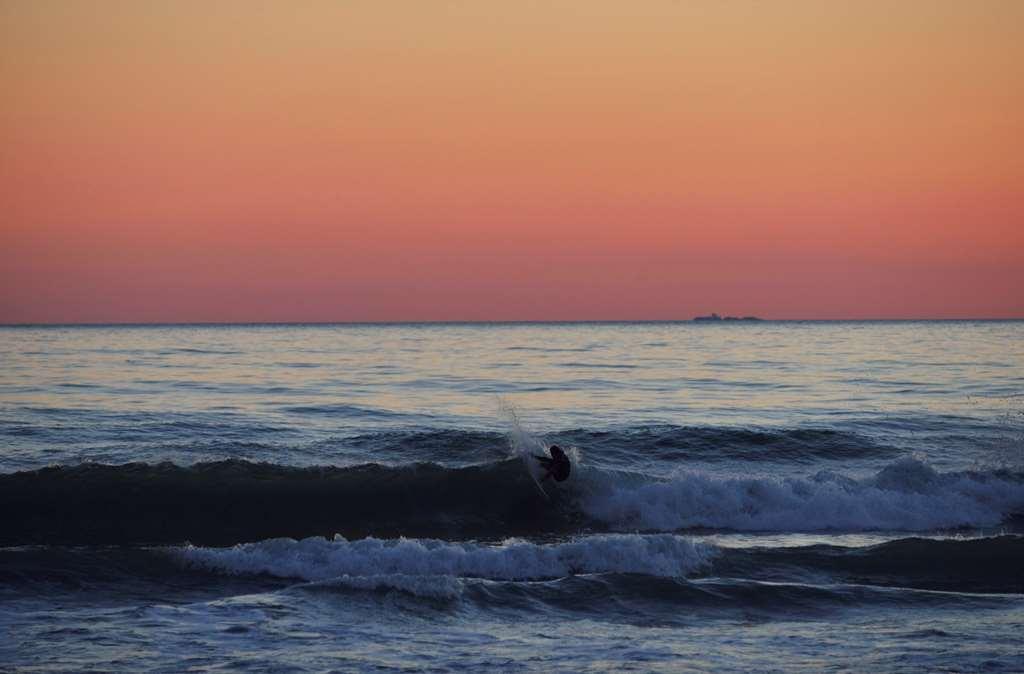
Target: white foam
(907, 495)
(370, 560)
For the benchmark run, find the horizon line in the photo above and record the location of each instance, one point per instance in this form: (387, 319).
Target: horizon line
(611, 321)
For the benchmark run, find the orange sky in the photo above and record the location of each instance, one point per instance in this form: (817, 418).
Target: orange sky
(378, 160)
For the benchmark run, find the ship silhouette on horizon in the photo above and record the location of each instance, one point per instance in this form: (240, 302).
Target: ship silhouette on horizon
(715, 317)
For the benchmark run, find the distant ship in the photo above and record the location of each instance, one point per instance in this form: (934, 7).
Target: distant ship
(716, 317)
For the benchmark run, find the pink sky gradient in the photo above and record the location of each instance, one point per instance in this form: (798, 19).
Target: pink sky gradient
(235, 161)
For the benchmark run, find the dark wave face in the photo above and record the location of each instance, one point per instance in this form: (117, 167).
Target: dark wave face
(114, 576)
(234, 501)
(954, 565)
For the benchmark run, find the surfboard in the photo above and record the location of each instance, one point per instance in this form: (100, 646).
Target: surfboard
(533, 469)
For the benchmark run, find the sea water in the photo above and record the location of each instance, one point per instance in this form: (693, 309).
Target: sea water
(792, 496)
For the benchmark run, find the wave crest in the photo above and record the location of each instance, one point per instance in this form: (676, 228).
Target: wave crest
(907, 495)
(318, 559)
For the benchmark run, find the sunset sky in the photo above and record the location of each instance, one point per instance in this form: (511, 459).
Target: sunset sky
(441, 160)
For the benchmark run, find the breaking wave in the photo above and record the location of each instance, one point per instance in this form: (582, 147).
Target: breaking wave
(907, 495)
(624, 565)
(598, 571)
(226, 502)
(318, 559)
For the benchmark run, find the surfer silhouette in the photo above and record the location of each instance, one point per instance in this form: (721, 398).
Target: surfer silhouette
(557, 465)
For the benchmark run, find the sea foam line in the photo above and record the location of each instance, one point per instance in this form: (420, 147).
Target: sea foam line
(319, 559)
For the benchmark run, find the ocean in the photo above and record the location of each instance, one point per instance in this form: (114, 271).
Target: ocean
(755, 496)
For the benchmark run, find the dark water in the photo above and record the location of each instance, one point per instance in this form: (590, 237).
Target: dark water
(771, 496)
